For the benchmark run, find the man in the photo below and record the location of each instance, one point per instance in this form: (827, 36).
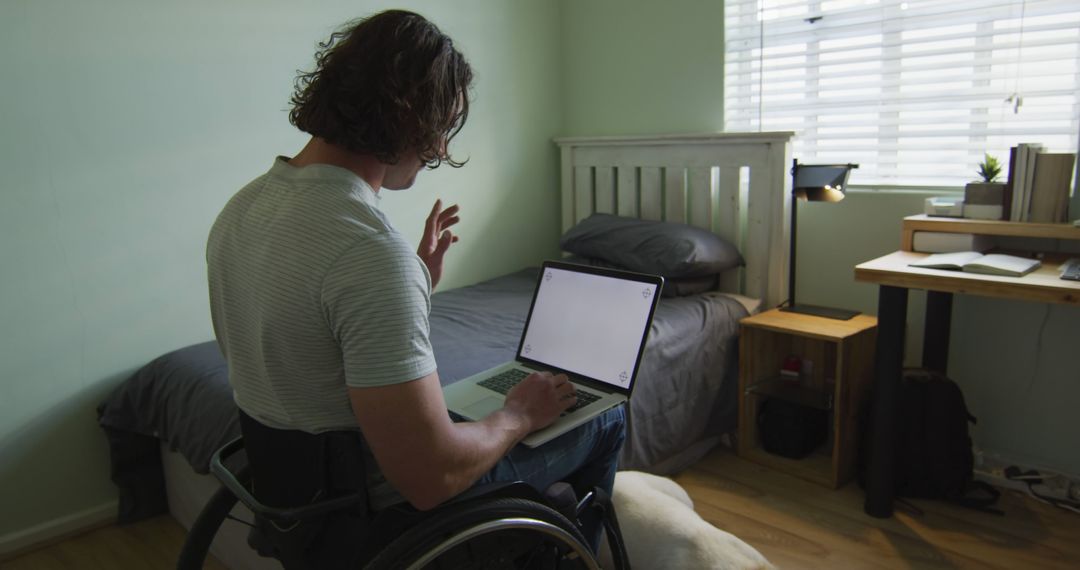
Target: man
(321, 307)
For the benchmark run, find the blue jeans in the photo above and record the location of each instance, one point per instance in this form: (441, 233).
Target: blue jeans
(586, 457)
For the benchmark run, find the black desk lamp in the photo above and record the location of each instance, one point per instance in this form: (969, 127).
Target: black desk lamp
(815, 183)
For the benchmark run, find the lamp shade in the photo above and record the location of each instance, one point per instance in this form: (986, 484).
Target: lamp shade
(821, 182)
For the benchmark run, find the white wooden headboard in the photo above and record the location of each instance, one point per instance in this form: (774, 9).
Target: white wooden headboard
(736, 185)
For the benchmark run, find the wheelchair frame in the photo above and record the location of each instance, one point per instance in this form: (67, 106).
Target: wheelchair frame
(500, 508)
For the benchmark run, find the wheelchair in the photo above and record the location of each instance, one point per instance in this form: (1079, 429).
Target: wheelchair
(496, 526)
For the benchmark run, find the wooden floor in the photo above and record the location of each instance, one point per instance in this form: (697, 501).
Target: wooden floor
(147, 545)
(795, 524)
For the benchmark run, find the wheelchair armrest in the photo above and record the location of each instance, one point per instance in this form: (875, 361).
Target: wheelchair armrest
(232, 481)
(235, 482)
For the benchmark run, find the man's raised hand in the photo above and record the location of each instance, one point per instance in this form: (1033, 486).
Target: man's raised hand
(437, 239)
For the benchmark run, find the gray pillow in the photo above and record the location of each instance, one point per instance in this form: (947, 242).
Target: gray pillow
(673, 286)
(663, 248)
(683, 286)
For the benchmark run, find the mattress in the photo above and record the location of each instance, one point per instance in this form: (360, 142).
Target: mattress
(684, 399)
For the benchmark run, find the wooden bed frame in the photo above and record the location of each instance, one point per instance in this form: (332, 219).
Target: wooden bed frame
(736, 185)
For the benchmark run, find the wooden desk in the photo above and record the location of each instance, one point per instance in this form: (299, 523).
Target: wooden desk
(894, 278)
(1042, 285)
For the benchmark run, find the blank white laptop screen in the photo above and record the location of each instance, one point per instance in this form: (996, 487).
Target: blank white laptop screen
(588, 324)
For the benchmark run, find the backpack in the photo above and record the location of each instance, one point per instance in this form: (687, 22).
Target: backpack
(934, 457)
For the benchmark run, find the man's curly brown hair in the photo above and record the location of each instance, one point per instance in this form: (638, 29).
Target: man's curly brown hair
(386, 85)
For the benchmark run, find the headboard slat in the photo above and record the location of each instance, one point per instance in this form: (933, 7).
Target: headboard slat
(628, 191)
(756, 249)
(700, 196)
(728, 205)
(566, 180)
(652, 193)
(583, 193)
(675, 194)
(604, 190)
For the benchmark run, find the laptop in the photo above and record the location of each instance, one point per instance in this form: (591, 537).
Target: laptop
(590, 323)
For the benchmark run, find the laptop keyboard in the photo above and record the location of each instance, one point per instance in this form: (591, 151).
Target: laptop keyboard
(502, 383)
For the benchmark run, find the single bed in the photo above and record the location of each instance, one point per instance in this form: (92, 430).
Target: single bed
(165, 421)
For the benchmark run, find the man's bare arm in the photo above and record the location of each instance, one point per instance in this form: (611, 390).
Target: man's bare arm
(427, 457)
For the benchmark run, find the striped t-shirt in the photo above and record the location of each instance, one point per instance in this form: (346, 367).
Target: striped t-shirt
(312, 291)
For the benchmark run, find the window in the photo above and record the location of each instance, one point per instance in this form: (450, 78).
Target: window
(914, 91)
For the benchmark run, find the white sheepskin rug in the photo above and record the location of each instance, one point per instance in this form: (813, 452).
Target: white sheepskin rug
(662, 531)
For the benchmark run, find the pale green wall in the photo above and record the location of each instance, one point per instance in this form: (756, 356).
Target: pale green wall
(657, 67)
(626, 65)
(126, 125)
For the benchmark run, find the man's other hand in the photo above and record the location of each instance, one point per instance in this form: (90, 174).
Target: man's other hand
(437, 239)
(541, 397)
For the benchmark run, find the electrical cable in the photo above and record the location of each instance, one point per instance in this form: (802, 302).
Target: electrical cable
(1038, 352)
(1032, 478)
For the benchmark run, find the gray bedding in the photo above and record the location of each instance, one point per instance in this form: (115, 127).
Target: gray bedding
(684, 397)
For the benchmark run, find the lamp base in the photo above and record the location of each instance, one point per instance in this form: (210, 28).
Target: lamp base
(827, 312)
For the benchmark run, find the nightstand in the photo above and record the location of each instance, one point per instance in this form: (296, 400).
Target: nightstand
(836, 365)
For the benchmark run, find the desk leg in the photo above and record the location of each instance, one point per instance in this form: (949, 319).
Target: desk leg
(935, 354)
(888, 363)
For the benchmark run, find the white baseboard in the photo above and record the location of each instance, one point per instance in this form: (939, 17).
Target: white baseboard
(45, 532)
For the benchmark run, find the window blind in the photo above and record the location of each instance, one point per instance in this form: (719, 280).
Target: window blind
(913, 91)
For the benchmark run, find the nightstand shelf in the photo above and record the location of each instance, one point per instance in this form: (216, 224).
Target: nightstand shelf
(842, 355)
(784, 389)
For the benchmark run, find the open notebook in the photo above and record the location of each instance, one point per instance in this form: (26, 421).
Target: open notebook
(975, 262)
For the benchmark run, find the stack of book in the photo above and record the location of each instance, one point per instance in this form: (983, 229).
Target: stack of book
(1039, 183)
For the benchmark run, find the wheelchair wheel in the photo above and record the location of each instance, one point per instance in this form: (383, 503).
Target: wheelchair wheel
(505, 533)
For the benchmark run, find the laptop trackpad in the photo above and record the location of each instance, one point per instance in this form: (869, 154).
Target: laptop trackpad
(484, 407)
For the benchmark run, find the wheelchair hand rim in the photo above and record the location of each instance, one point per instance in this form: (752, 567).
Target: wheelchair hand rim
(522, 523)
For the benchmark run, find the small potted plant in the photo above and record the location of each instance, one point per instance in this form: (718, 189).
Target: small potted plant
(985, 198)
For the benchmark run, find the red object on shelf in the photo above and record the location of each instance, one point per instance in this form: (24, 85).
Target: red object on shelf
(791, 368)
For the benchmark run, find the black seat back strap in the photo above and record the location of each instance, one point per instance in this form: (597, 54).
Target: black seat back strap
(291, 468)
